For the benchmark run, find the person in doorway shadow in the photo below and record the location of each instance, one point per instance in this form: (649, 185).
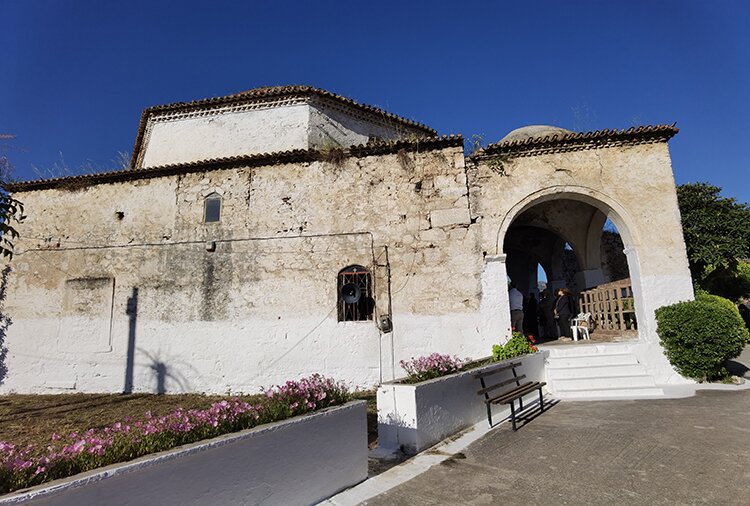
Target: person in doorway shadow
(530, 320)
(565, 309)
(547, 327)
(516, 308)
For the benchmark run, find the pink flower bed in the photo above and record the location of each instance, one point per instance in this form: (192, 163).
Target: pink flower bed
(21, 467)
(432, 366)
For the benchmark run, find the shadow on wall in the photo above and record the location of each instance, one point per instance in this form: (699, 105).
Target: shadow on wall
(162, 373)
(5, 322)
(161, 370)
(132, 312)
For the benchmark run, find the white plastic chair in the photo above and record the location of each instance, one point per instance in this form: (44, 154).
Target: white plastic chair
(581, 323)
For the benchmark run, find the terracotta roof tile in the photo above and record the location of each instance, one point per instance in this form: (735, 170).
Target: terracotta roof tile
(257, 160)
(582, 140)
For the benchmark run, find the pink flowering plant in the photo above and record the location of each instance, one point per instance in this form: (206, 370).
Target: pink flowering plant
(432, 366)
(26, 466)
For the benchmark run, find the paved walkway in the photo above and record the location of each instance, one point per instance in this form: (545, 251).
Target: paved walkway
(693, 450)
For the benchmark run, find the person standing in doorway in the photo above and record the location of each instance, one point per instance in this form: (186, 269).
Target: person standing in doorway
(546, 316)
(530, 320)
(516, 308)
(565, 309)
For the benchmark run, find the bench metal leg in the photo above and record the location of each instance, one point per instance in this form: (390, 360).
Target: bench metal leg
(520, 403)
(489, 414)
(541, 400)
(512, 415)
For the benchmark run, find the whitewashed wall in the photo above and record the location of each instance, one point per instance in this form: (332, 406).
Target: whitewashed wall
(258, 127)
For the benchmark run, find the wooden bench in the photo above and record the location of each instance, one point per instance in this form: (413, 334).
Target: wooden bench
(508, 396)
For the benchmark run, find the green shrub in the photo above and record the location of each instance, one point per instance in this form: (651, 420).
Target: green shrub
(701, 335)
(516, 346)
(715, 299)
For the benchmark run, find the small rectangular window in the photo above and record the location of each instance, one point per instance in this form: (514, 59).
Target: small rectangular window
(213, 210)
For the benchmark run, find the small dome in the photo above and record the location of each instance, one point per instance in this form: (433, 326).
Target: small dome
(534, 132)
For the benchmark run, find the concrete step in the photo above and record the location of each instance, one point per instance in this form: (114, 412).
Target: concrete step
(610, 393)
(579, 349)
(596, 383)
(592, 360)
(554, 372)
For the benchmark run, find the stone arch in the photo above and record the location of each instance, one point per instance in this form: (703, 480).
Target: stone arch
(609, 206)
(604, 208)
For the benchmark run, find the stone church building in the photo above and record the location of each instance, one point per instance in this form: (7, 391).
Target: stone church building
(288, 230)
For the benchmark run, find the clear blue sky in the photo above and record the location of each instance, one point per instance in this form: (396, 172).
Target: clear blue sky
(75, 75)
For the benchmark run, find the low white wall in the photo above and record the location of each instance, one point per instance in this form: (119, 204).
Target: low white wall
(415, 417)
(298, 461)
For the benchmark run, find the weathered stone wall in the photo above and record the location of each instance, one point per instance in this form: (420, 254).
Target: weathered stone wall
(614, 261)
(117, 270)
(122, 284)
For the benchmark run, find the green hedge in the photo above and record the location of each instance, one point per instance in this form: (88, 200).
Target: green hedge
(701, 335)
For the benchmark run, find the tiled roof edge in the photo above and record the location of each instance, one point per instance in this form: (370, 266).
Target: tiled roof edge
(583, 140)
(257, 160)
(266, 92)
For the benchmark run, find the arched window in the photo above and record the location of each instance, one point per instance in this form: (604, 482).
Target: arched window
(212, 208)
(355, 302)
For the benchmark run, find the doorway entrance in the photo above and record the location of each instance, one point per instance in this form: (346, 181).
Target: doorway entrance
(571, 245)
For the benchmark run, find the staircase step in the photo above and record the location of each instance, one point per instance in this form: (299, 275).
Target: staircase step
(581, 349)
(610, 393)
(592, 360)
(595, 383)
(576, 371)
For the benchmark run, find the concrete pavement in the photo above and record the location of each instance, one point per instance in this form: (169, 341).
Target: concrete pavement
(693, 450)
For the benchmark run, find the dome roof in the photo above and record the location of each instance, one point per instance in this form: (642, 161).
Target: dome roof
(534, 132)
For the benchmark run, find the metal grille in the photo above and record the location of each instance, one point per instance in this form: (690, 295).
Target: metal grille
(362, 309)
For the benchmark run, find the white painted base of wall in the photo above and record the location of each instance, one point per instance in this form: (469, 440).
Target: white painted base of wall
(415, 417)
(303, 460)
(238, 356)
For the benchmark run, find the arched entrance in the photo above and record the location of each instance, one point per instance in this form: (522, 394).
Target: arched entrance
(580, 240)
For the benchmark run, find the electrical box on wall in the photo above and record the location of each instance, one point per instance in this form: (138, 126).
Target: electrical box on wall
(385, 324)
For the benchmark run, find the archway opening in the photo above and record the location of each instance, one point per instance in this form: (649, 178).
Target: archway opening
(576, 247)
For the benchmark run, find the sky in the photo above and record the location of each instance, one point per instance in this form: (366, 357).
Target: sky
(76, 75)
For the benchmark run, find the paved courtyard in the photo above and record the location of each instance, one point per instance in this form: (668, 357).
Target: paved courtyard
(694, 450)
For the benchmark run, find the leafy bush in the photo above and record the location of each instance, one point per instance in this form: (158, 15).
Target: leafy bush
(715, 299)
(517, 345)
(22, 467)
(700, 336)
(431, 366)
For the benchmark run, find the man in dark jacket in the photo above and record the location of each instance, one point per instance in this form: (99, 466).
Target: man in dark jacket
(565, 309)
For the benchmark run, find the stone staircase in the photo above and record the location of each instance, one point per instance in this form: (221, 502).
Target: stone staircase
(597, 371)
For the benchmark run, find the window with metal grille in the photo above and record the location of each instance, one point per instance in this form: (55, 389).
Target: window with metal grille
(212, 208)
(355, 300)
